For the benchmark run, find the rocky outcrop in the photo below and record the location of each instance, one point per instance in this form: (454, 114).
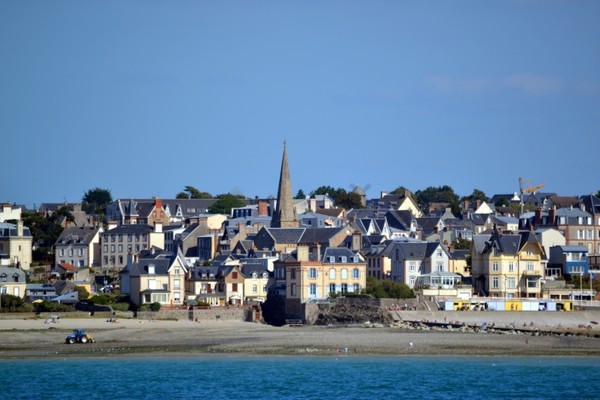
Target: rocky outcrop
(353, 311)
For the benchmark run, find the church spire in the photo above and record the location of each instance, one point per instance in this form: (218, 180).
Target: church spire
(284, 216)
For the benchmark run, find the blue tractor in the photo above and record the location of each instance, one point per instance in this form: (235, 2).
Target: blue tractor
(79, 336)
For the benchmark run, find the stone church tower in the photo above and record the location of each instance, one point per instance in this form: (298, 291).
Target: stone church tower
(285, 215)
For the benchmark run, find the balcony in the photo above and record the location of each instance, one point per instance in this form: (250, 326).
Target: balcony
(534, 272)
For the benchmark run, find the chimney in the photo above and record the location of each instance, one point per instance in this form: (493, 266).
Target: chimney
(356, 241)
(538, 216)
(466, 205)
(478, 203)
(157, 203)
(263, 208)
(552, 215)
(112, 225)
(302, 253)
(383, 194)
(19, 228)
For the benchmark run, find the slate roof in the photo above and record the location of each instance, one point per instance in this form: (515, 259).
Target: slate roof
(319, 235)
(399, 219)
(287, 235)
(591, 203)
(77, 235)
(130, 228)
(336, 253)
(10, 230)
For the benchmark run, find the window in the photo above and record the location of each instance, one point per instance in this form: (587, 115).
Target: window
(177, 297)
(412, 267)
(344, 273)
(332, 273)
(439, 253)
(412, 280)
(176, 271)
(151, 284)
(120, 259)
(151, 269)
(529, 266)
(129, 237)
(105, 248)
(234, 275)
(293, 289)
(312, 273)
(532, 283)
(112, 248)
(293, 273)
(510, 283)
(495, 266)
(312, 289)
(120, 248)
(80, 252)
(62, 252)
(344, 288)
(234, 287)
(332, 288)
(254, 289)
(177, 284)
(356, 288)
(495, 282)
(511, 267)
(356, 273)
(343, 259)
(440, 267)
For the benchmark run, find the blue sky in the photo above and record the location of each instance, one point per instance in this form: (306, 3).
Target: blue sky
(146, 97)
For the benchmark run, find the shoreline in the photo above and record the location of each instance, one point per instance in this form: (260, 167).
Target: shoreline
(573, 335)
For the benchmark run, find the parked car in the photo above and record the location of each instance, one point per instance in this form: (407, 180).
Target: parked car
(79, 336)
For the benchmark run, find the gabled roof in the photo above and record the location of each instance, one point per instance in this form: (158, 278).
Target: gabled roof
(77, 235)
(337, 253)
(399, 219)
(130, 228)
(591, 204)
(319, 235)
(287, 235)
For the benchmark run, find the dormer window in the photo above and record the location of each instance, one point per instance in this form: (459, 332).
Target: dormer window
(254, 275)
(343, 259)
(331, 259)
(151, 269)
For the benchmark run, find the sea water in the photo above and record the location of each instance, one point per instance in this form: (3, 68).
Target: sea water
(302, 377)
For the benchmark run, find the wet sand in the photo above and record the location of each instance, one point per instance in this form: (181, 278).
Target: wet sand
(567, 334)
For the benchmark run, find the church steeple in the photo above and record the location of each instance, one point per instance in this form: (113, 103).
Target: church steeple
(284, 216)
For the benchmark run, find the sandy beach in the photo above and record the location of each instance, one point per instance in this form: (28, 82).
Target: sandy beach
(537, 333)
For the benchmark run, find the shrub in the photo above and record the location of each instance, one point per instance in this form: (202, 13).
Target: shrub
(50, 306)
(10, 303)
(103, 298)
(121, 306)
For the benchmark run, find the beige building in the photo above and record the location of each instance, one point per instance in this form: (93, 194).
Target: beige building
(156, 276)
(12, 281)
(16, 245)
(302, 279)
(507, 265)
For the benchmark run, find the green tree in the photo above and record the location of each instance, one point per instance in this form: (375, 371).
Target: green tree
(193, 193)
(225, 203)
(300, 194)
(182, 195)
(82, 293)
(475, 196)
(95, 200)
(348, 200)
(387, 289)
(327, 190)
(441, 194)
(45, 232)
(60, 212)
